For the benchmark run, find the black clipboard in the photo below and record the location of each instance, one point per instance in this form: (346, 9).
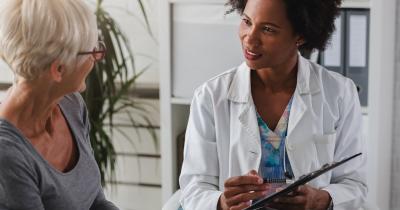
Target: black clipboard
(301, 181)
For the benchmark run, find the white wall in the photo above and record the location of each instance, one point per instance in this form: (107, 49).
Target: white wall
(380, 110)
(2, 95)
(395, 192)
(6, 75)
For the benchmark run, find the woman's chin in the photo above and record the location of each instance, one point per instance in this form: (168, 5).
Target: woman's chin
(82, 88)
(253, 65)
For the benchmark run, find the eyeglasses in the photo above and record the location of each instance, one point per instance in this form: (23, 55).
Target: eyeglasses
(98, 53)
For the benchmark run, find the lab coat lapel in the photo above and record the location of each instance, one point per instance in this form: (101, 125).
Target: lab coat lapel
(248, 120)
(296, 113)
(304, 88)
(300, 126)
(240, 95)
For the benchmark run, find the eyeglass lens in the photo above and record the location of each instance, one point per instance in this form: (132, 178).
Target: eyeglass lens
(99, 51)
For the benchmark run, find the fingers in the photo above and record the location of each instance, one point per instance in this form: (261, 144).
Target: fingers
(253, 173)
(295, 200)
(302, 190)
(299, 196)
(245, 197)
(243, 180)
(231, 191)
(241, 190)
(241, 206)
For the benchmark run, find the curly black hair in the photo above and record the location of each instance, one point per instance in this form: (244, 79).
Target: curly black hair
(314, 20)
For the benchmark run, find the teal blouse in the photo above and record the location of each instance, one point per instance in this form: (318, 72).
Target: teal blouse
(274, 162)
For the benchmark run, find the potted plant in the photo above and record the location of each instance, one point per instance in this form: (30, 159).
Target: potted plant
(108, 88)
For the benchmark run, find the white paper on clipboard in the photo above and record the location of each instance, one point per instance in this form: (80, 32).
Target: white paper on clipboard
(332, 53)
(357, 41)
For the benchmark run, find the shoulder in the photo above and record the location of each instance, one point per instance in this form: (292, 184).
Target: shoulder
(10, 139)
(11, 142)
(12, 154)
(20, 174)
(339, 93)
(332, 83)
(218, 85)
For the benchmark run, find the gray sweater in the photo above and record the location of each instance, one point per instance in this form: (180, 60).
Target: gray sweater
(29, 182)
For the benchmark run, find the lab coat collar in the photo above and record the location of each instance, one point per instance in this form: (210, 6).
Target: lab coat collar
(307, 81)
(240, 89)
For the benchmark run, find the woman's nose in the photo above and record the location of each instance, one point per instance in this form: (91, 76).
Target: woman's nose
(253, 38)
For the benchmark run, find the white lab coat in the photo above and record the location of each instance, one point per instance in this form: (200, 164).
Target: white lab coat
(223, 139)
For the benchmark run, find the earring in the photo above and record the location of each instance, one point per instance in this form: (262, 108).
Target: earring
(299, 43)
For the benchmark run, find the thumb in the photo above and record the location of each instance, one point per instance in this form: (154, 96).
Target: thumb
(253, 173)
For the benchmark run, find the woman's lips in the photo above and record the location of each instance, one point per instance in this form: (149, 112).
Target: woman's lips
(251, 55)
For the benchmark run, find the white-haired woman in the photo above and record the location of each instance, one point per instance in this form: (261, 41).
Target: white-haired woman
(46, 161)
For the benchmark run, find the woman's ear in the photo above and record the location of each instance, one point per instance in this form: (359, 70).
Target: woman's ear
(57, 70)
(300, 41)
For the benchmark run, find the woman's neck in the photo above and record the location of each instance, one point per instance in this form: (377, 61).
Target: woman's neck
(30, 107)
(278, 78)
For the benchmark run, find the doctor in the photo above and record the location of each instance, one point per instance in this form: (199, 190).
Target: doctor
(275, 117)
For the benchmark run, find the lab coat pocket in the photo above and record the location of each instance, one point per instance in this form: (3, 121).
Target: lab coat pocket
(325, 145)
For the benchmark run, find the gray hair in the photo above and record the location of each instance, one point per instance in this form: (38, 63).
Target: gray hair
(35, 33)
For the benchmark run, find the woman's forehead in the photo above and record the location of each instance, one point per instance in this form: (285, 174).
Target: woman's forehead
(266, 11)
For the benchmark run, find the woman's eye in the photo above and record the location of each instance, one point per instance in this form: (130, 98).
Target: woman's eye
(268, 29)
(246, 21)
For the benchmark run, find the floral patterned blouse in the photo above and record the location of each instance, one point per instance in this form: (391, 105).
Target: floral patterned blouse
(272, 167)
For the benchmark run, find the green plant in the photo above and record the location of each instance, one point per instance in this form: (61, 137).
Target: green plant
(108, 88)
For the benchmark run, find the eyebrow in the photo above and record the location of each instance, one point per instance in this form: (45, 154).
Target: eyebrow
(263, 23)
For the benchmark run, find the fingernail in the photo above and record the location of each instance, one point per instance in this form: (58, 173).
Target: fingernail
(260, 181)
(276, 200)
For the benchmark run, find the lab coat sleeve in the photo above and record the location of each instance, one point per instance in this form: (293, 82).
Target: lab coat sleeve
(200, 170)
(348, 189)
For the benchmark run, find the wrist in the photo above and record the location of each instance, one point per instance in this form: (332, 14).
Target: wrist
(330, 207)
(220, 205)
(324, 200)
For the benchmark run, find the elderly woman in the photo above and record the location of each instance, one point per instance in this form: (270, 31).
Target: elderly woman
(46, 160)
(255, 128)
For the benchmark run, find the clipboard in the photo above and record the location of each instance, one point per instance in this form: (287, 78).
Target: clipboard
(301, 181)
